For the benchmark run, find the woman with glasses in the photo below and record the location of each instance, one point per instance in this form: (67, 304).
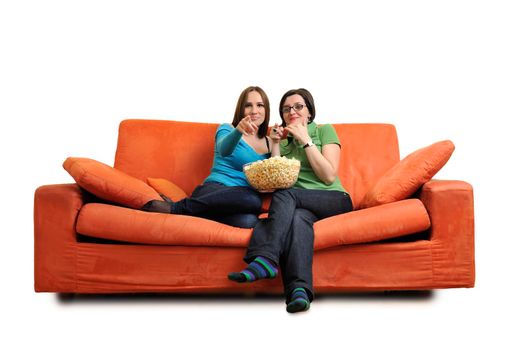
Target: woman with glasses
(286, 238)
(225, 195)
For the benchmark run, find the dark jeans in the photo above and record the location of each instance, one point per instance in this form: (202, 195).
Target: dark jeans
(287, 236)
(232, 205)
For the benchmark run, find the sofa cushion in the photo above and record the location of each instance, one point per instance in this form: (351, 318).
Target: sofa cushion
(123, 224)
(373, 224)
(402, 180)
(109, 183)
(167, 188)
(135, 226)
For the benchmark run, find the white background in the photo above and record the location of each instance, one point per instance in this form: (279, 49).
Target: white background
(70, 71)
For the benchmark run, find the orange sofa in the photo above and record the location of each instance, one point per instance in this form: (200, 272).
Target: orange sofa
(85, 245)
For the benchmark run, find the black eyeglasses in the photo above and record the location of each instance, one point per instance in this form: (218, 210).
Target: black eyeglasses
(296, 106)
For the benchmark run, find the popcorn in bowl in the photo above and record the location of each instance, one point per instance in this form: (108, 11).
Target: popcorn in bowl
(272, 173)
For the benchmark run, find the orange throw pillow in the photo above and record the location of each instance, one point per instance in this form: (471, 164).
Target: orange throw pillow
(167, 188)
(109, 183)
(402, 180)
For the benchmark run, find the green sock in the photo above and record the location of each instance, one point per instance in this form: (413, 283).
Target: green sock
(259, 268)
(299, 301)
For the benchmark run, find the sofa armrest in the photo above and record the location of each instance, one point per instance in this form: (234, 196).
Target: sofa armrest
(55, 214)
(450, 205)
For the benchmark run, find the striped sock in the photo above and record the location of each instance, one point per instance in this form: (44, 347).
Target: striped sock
(299, 301)
(258, 269)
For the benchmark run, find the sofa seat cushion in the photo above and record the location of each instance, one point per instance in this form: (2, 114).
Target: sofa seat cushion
(128, 225)
(372, 224)
(135, 226)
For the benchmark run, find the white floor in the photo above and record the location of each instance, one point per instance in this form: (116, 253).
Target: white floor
(444, 319)
(71, 71)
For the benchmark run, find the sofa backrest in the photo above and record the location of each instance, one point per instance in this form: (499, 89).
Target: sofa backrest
(182, 152)
(367, 152)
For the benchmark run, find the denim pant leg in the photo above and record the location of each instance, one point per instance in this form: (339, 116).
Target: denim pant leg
(269, 236)
(322, 203)
(297, 257)
(242, 220)
(220, 199)
(233, 205)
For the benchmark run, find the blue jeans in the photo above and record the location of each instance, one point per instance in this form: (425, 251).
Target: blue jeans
(232, 205)
(287, 236)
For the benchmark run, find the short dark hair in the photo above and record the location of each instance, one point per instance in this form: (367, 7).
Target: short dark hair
(308, 99)
(239, 110)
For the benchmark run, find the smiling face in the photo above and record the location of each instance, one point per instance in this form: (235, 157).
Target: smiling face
(254, 107)
(291, 114)
(253, 102)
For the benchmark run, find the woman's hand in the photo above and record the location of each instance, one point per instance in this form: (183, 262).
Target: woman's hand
(247, 127)
(299, 131)
(277, 133)
(324, 162)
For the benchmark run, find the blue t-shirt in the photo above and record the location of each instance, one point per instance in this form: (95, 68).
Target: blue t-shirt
(227, 170)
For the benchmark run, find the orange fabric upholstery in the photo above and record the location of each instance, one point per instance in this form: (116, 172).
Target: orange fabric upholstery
(402, 180)
(181, 152)
(267, 200)
(115, 268)
(373, 224)
(162, 147)
(361, 250)
(367, 152)
(109, 183)
(451, 211)
(128, 225)
(55, 216)
(122, 224)
(167, 188)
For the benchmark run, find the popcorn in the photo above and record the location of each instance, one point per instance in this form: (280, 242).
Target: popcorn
(273, 173)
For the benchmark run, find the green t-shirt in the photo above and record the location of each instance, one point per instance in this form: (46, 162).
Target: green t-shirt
(320, 135)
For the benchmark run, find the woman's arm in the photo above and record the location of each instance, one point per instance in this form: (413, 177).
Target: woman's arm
(276, 134)
(325, 163)
(227, 141)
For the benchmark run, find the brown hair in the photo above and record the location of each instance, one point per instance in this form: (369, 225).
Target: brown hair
(308, 100)
(239, 110)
